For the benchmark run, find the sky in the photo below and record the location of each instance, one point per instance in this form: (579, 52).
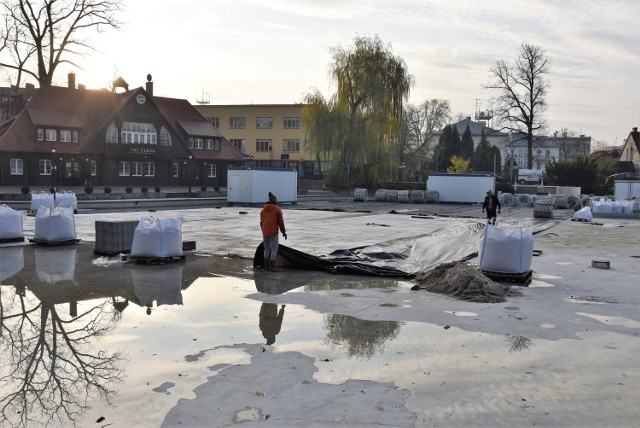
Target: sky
(276, 51)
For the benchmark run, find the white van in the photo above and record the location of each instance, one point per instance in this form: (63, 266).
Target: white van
(530, 176)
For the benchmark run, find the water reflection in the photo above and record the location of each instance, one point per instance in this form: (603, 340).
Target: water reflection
(53, 266)
(11, 262)
(361, 338)
(271, 321)
(161, 284)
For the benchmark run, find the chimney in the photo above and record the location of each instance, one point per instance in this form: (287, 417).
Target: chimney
(149, 86)
(635, 129)
(71, 80)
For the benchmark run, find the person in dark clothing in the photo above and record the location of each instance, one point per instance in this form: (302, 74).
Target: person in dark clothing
(490, 205)
(271, 220)
(271, 321)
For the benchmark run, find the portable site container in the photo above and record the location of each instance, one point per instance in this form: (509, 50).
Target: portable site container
(626, 189)
(461, 188)
(252, 185)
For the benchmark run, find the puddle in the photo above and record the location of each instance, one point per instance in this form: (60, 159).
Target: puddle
(209, 341)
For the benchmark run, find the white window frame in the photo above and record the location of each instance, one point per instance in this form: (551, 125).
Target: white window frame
(199, 144)
(111, 134)
(291, 145)
(165, 137)
(44, 166)
(51, 134)
(149, 169)
(237, 122)
(208, 144)
(212, 170)
(240, 144)
(260, 142)
(124, 169)
(93, 168)
(138, 133)
(176, 169)
(215, 121)
(65, 136)
(291, 123)
(264, 122)
(16, 166)
(136, 169)
(40, 134)
(75, 138)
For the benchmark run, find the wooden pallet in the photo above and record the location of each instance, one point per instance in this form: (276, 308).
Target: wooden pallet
(152, 260)
(107, 253)
(9, 240)
(523, 279)
(54, 243)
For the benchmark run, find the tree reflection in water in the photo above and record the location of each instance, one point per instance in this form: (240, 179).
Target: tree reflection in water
(362, 338)
(50, 372)
(518, 343)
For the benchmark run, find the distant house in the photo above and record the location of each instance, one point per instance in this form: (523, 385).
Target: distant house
(630, 156)
(68, 136)
(495, 138)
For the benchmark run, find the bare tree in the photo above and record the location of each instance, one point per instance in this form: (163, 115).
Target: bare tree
(41, 35)
(571, 146)
(519, 93)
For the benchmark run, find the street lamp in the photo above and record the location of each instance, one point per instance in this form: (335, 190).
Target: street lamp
(53, 171)
(189, 177)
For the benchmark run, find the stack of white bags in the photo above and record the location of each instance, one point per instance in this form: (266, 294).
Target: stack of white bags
(10, 223)
(155, 237)
(41, 200)
(506, 250)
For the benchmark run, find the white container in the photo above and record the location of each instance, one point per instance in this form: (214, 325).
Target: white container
(252, 185)
(156, 237)
(41, 200)
(461, 188)
(626, 189)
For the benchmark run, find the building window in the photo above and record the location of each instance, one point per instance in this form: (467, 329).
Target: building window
(215, 121)
(263, 145)
(211, 170)
(264, 122)
(176, 169)
(239, 143)
(65, 136)
(290, 164)
(237, 122)
(208, 144)
(548, 154)
(212, 144)
(40, 134)
(124, 170)
(52, 135)
(75, 136)
(16, 166)
(136, 169)
(165, 137)
(45, 166)
(199, 143)
(111, 136)
(291, 123)
(216, 145)
(138, 133)
(93, 168)
(149, 169)
(263, 164)
(290, 145)
(191, 143)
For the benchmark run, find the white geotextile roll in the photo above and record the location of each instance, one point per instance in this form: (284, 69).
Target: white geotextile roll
(506, 250)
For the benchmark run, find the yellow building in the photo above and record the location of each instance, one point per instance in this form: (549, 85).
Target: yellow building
(269, 135)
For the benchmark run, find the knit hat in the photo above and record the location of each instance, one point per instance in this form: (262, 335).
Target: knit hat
(272, 198)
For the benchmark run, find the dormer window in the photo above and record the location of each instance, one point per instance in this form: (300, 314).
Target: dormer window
(165, 137)
(51, 135)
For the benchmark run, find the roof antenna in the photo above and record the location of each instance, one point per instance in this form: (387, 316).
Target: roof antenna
(204, 98)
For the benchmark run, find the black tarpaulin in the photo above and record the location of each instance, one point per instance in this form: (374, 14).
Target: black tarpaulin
(288, 257)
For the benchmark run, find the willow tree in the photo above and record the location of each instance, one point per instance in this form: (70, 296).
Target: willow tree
(357, 127)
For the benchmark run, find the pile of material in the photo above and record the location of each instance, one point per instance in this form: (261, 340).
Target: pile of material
(463, 282)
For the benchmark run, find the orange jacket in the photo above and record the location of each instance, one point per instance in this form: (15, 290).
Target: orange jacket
(271, 219)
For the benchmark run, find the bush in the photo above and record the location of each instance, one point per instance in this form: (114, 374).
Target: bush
(88, 190)
(25, 190)
(157, 189)
(128, 189)
(203, 188)
(504, 188)
(107, 189)
(143, 190)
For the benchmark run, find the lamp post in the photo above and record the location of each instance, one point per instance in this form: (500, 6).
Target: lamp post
(53, 172)
(189, 176)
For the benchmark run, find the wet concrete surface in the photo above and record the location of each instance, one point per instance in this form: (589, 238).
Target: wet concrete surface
(99, 341)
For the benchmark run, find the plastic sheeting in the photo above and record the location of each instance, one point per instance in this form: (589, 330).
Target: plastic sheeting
(290, 257)
(506, 250)
(583, 214)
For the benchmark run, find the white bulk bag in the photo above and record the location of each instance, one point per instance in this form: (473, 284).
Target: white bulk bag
(55, 224)
(41, 200)
(10, 223)
(66, 199)
(506, 250)
(583, 214)
(157, 238)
